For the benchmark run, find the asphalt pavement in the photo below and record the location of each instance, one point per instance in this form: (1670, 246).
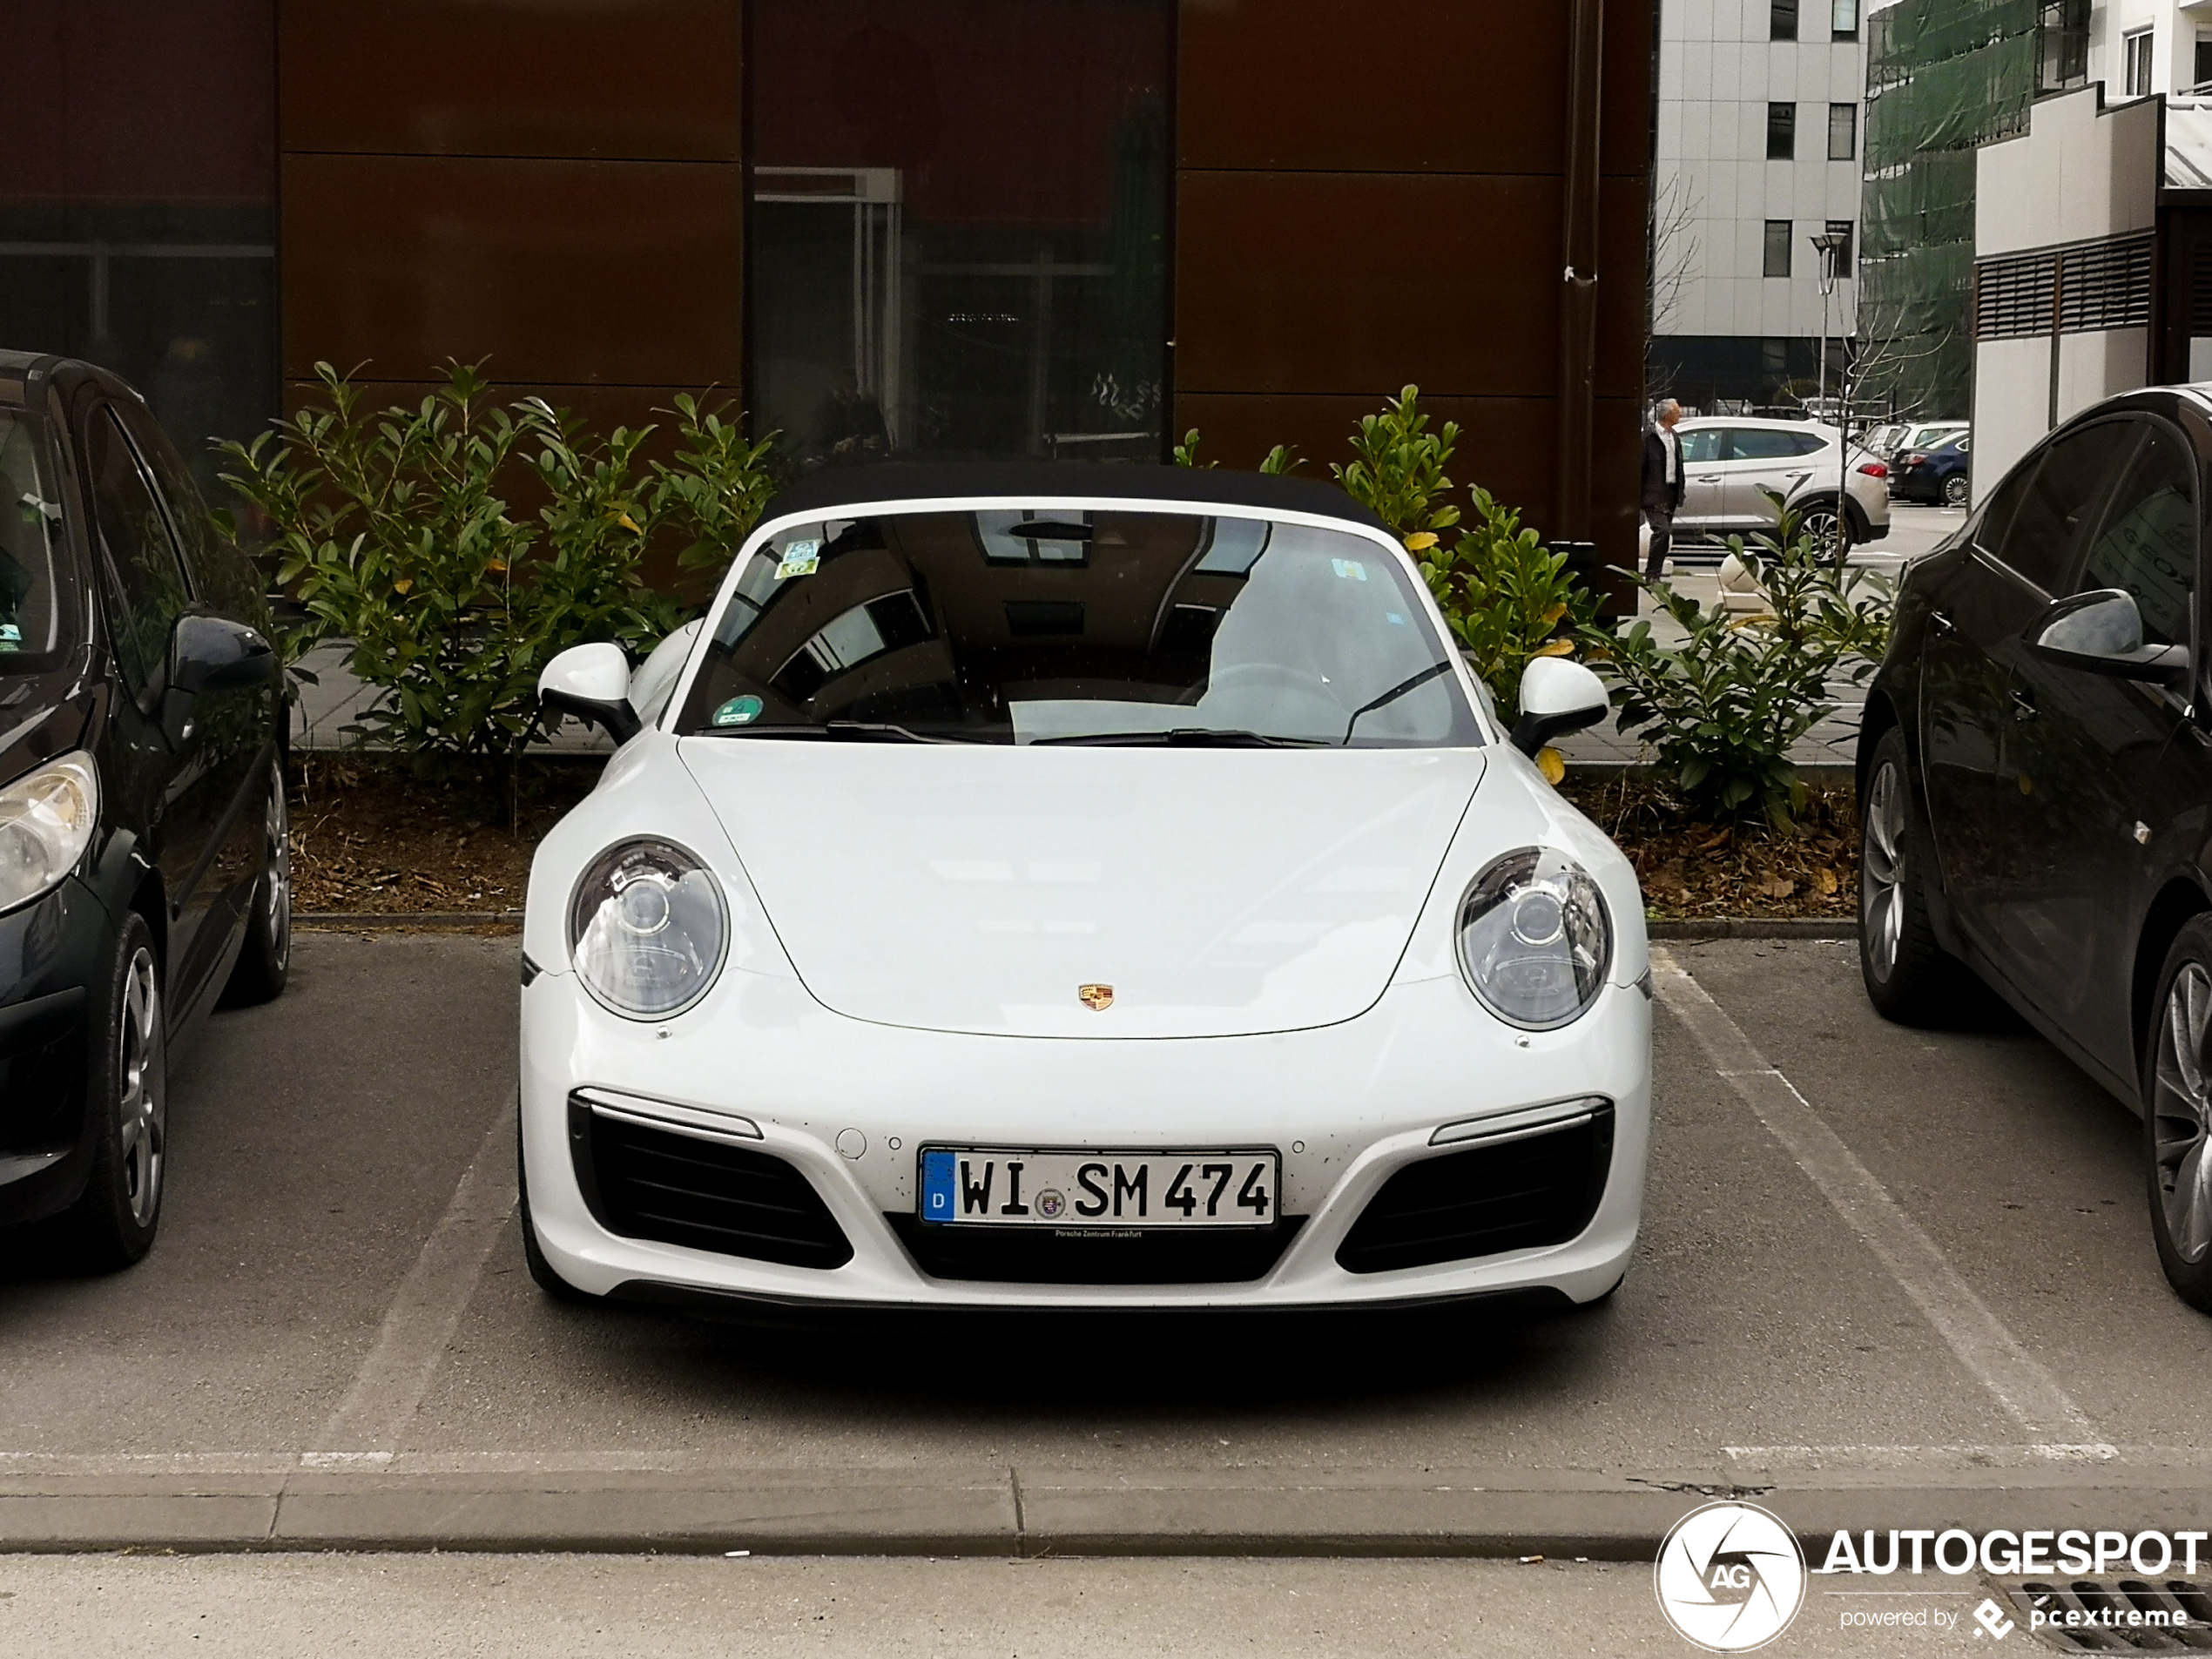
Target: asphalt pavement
(335, 1342)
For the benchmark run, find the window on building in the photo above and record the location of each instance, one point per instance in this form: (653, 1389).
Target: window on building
(1842, 19)
(957, 228)
(1777, 248)
(1843, 131)
(137, 226)
(2134, 63)
(1781, 19)
(2062, 45)
(1845, 268)
(2203, 67)
(1780, 132)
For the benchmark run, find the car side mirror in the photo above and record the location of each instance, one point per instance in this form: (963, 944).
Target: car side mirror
(1557, 696)
(592, 683)
(2101, 632)
(210, 654)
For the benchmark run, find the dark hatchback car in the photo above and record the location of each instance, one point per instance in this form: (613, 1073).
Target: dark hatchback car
(144, 869)
(2036, 781)
(1936, 475)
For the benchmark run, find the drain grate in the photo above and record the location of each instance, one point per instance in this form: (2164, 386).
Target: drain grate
(2119, 1615)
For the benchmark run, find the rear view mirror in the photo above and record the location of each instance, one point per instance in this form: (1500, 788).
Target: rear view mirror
(592, 683)
(210, 654)
(1557, 696)
(2101, 632)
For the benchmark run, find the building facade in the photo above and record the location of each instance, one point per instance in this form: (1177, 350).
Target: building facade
(914, 227)
(1759, 139)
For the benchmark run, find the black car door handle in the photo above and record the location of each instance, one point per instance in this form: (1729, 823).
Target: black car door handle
(1941, 623)
(2023, 704)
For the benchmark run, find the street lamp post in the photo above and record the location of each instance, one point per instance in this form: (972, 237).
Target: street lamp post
(1829, 244)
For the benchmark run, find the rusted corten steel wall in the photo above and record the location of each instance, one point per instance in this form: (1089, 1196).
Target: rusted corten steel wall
(1371, 194)
(1367, 195)
(559, 187)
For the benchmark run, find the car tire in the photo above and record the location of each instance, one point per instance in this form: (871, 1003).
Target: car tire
(265, 961)
(542, 1271)
(112, 1225)
(1910, 978)
(2177, 1115)
(1955, 490)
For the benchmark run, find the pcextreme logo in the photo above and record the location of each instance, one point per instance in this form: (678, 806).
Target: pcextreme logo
(1730, 1577)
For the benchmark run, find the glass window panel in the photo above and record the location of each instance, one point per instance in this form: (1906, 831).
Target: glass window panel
(2037, 527)
(1842, 19)
(137, 216)
(957, 228)
(134, 543)
(2147, 542)
(1777, 247)
(1844, 266)
(1781, 19)
(32, 565)
(1302, 636)
(1843, 131)
(1780, 132)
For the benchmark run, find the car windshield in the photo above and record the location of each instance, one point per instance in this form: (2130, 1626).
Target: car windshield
(30, 542)
(1070, 625)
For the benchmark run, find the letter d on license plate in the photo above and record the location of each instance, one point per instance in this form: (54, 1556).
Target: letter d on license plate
(1010, 1187)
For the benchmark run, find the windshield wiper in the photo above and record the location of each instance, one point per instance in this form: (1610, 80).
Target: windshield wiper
(1396, 692)
(834, 732)
(1192, 736)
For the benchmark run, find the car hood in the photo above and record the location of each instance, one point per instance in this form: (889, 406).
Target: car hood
(1217, 891)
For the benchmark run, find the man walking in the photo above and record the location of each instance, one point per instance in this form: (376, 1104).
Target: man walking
(1663, 484)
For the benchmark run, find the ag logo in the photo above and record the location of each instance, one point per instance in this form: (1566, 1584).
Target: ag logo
(1730, 1577)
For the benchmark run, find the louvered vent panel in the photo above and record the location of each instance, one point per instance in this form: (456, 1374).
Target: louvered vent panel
(2013, 296)
(2105, 285)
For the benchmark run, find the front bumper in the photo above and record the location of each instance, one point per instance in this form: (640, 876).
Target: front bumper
(848, 1104)
(50, 955)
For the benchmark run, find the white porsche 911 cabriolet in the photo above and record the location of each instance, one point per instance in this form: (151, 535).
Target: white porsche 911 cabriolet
(1067, 887)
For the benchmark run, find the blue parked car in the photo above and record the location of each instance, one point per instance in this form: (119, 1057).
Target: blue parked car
(1935, 474)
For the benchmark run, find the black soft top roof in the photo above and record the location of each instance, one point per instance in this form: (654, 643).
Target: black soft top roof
(837, 488)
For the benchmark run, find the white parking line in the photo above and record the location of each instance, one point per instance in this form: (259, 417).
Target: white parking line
(2029, 1394)
(389, 1388)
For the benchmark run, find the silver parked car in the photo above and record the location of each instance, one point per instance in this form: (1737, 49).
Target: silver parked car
(1731, 461)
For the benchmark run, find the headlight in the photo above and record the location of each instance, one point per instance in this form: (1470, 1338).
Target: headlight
(1534, 940)
(647, 929)
(46, 822)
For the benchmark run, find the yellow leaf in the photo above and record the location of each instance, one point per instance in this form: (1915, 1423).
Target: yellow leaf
(1554, 614)
(1420, 540)
(1552, 765)
(631, 524)
(1825, 881)
(497, 567)
(403, 584)
(1555, 648)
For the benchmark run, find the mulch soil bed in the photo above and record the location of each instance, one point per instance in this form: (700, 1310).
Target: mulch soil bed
(369, 839)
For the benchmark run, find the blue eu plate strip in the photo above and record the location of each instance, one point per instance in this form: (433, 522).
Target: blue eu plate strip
(937, 1187)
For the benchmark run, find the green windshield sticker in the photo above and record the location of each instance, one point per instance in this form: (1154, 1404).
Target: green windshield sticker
(1350, 570)
(800, 558)
(739, 710)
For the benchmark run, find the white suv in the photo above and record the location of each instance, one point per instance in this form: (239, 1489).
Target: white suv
(1729, 460)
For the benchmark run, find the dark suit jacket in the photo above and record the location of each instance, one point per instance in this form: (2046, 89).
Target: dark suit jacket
(1658, 492)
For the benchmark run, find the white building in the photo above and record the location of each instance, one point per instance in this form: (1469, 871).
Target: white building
(2093, 230)
(1760, 123)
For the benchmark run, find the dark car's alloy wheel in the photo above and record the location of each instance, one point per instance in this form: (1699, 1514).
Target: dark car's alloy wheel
(113, 1223)
(1910, 978)
(265, 961)
(2177, 1116)
(1955, 490)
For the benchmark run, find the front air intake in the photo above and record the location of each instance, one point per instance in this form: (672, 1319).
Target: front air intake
(643, 1182)
(1517, 1193)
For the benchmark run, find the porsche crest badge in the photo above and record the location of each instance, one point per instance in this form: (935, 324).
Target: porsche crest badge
(1096, 998)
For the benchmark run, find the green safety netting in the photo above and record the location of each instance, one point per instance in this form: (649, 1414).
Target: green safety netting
(1942, 77)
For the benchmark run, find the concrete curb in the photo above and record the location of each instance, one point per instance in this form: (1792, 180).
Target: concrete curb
(376, 921)
(1010, 1515)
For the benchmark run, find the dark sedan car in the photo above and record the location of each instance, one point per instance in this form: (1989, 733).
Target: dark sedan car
(1935, 474)
(144, 869)
(2036, 781)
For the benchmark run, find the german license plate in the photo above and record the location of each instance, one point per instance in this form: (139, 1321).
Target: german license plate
(998, 1187)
